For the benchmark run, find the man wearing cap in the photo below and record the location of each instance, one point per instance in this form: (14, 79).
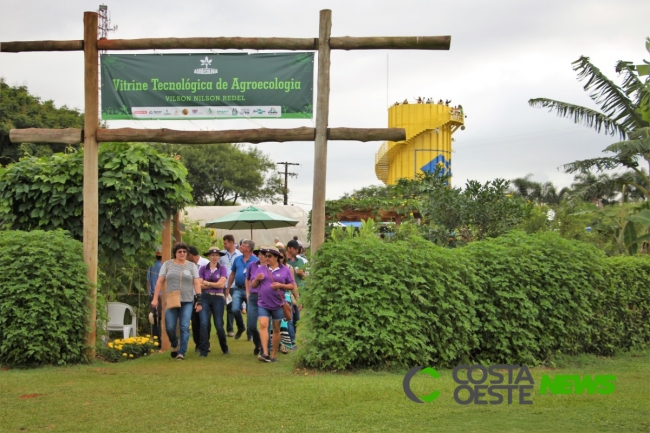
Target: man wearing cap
(239, 268)
(299, 266)
(152, 279)
(193, 256)
(230, 253)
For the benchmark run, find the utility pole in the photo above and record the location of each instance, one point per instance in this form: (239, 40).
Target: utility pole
(286, 179)
(103, 27)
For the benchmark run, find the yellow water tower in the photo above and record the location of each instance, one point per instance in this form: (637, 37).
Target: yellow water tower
(429, 128)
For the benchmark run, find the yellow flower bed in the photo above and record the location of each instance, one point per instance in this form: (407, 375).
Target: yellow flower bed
(129, 348)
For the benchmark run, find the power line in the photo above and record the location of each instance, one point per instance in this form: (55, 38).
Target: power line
(286, 179)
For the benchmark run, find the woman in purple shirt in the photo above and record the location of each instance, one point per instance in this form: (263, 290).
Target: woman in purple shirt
(213, 280)
(271, 281)
(251, 300)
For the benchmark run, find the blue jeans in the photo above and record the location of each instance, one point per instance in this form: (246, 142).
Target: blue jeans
(238, 298)
(182, 314)
(252, 316)
(212, 305)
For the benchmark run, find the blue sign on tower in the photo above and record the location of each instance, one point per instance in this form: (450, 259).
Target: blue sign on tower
(440, 160)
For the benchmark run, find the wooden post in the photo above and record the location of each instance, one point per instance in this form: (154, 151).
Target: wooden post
(177, 227)
(322, 116)
(166, 255)
(90, 174)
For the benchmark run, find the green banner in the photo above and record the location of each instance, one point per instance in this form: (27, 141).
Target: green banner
(207, 86)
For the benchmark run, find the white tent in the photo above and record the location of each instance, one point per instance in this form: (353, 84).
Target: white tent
(205, 214)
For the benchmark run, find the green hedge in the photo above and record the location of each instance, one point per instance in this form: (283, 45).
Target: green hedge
(534, 296)
(371, 303)
(43, 290)
(514, 299)
(623, 306)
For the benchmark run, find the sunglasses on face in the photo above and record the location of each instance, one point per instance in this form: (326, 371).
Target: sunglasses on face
(268, 256)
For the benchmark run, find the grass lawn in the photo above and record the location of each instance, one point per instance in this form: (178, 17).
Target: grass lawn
(239, 393)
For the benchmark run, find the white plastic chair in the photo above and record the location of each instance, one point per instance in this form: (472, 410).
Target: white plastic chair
(116, 312)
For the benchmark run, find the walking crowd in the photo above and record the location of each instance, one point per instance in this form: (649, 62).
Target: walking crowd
(262, 283)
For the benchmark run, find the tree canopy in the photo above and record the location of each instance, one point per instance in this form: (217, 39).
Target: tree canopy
(20, 109)
(447, 215)
(225, 174)
(137, 188)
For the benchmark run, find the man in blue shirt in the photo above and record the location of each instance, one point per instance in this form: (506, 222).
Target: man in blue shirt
(230, 253)
(237, 275)
(152, 279)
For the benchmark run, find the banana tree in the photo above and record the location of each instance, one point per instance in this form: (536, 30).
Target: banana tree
(620, 224)
(623, 107)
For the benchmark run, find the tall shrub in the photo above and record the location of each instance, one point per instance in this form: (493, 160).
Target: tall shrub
(376, 304)
(43, 290)
(534, 295)
(509, 300)
(623, 306)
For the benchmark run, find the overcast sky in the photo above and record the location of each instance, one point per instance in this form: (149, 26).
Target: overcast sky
(502, 54)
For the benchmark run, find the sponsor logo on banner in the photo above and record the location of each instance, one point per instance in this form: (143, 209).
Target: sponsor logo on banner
(234, 111)
(139, 112)
(259, 111)
(223, 111)
(185, 111)
(273, 111)
(206, 69)
(195, 111)
(167, 113)
(245, 111)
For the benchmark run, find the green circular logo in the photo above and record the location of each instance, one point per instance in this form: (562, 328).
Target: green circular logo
(406, 384)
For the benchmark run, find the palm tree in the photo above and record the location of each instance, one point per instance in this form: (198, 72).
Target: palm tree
(540, 193)
(526, 188)
(598, 189)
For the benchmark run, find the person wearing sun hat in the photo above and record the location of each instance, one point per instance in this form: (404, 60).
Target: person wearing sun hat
(213, 280)
(252, 298)
(271, 281)
(171, 274)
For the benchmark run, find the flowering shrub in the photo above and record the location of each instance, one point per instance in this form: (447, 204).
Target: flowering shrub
(129, 348)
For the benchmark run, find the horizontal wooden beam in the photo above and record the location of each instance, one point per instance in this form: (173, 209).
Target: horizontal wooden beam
(38, 135)
(301, 44)
(74, 136)
(22, 46)
(391, 43)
